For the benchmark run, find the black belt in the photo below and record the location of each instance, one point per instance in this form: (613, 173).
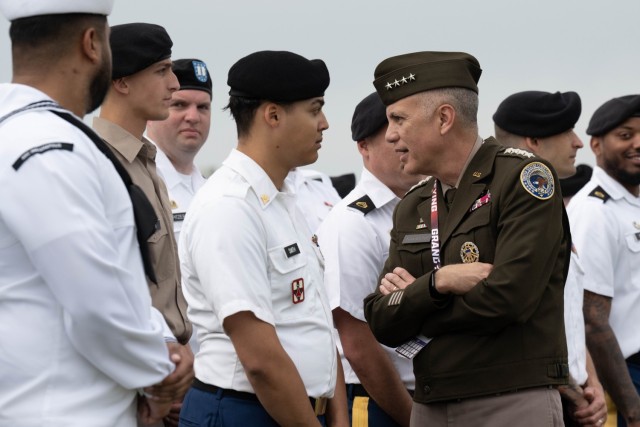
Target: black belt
(358, 390)
(634, 358)
(319, 405)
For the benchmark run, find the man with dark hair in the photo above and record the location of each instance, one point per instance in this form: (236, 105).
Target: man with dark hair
(605, 224)
(542, 123)
(252, 272)
(79, 335)
(142, 85)
(354, 239)
(484, 239)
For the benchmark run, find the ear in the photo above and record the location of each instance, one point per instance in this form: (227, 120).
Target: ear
(531, 144)
(272, 115)
(446, 117)
(91, 45)
(363, 147)
(121, 85)
(596, 145)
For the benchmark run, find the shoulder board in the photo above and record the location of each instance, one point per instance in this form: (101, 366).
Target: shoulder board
(599, 193)
(363, 204)
(40, 150)
(418, 185)
(517, 152)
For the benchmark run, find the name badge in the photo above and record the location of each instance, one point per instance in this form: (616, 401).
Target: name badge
(417, 238)
(292, 250)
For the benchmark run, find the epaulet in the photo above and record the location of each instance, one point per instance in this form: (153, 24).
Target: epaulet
(418, 185)
(363, 204)
(599, 193)
(517, 152)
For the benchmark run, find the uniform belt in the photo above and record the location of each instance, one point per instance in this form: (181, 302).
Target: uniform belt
(358, 390)
(319, 405)
(634, 358)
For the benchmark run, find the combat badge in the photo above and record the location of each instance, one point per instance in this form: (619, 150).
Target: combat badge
(469, 252)
(297, 291)
(537, 179)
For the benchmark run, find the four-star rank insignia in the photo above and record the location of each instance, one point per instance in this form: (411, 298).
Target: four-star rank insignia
(297, 291)
(537, 179)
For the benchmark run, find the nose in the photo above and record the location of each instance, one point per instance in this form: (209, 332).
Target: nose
(391, 135)
(577, 142)
(192, 114)
(174, 84)
(324, 123)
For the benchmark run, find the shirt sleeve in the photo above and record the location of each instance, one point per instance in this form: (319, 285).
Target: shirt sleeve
(353, 259)
(58, 214)
(228, 249)
(595, 237)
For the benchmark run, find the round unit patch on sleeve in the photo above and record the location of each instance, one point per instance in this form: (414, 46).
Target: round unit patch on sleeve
(537, 179)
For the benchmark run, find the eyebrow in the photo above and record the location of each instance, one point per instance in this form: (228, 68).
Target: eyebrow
(318, 101)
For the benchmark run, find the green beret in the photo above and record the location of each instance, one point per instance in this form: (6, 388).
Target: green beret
(404, 75)
(537, 114)
(278, 76)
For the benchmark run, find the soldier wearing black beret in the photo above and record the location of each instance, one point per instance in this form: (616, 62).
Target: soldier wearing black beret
(542, 123)
(472, 289)
(267, 351)
(605, 226)
(571, 185)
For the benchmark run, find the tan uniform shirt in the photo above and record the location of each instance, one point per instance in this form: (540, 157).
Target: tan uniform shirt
(138, 158)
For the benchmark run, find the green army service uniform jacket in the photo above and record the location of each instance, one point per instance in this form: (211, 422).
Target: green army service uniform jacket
(507, 333)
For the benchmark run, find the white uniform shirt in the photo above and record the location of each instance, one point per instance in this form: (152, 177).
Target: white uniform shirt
(355, 246)
(181, 188)
(607, 236)
(244, 246)
(315, 193)
(574, 321)
(78, 333)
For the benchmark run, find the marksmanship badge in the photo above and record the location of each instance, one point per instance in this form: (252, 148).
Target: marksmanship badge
(469, 252)
(537, 179)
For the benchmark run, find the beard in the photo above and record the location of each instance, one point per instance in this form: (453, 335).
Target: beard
(621, 175)
(99, 86)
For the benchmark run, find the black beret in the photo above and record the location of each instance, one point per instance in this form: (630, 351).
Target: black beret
(404, 75)
(570, 186)
(613, 113)
(369, 116)
(192, 74)
(538, 114)
(278, 76)
(344, 183)
(136, 46)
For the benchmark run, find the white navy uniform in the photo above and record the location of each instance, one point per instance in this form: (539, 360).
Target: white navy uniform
(78, 332)
(181, 188)
(244, 246)
(354, 240)
(605, 227)
(315, 193)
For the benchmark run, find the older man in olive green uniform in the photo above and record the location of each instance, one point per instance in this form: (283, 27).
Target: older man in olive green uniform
(483, 318)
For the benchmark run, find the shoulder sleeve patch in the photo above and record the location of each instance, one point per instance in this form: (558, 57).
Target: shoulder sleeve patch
(40, 150)
(363, 204)
(599, 193)
(517, 152)
(538, 180)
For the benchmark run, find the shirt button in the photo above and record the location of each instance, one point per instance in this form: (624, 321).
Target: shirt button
(426, 389)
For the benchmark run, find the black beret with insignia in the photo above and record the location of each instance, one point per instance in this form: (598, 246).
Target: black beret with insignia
(192, 74)
(369, 116)
(538, 114)
(570, 186)
(278, 76)
(613, 113)
(404, 75)
(137, 46)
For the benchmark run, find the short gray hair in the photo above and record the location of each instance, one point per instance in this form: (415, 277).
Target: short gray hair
(464, 101)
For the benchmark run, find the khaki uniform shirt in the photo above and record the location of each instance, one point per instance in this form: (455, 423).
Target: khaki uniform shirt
(138, 158)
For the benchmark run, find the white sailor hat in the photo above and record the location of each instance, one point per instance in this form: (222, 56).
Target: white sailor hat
(16, 9)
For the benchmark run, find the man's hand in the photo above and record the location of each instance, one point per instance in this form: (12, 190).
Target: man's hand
(175, 385)
(173, 419)
(398, 279)
(595, 413)
(459, 279)
(152, 412)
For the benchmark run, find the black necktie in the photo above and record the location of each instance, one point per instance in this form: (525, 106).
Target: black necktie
(448, 197)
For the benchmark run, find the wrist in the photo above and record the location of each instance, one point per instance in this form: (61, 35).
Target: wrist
(433, 288)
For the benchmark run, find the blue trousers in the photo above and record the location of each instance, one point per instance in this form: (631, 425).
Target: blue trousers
(204, 409)
(365, 412)
(634, 372)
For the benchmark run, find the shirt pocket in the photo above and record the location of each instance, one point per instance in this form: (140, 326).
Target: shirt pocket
(633, 242)
(414, 250)
(160, 252)
(474, 231)
(289, 282)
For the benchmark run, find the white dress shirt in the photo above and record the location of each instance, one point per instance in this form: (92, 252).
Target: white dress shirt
(244, 246)
(315, 193)
(355, 247)
(78, 333)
